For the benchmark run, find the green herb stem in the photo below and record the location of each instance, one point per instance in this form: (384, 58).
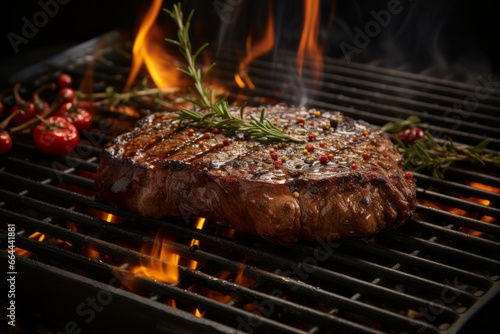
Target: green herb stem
(219, 114)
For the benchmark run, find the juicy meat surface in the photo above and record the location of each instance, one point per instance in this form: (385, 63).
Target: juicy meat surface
(349, 182)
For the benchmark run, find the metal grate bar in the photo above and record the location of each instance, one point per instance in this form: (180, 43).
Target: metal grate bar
(420, 262)
(457, 202)
(466, 258)
(449, 217)
(485, 245)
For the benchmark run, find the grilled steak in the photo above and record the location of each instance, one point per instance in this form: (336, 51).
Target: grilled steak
(345, 180)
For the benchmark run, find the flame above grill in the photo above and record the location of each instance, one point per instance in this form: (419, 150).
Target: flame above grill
(149, 49)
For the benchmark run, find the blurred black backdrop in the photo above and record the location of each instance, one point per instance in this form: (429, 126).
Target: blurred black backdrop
(72, 22)
(425, 33)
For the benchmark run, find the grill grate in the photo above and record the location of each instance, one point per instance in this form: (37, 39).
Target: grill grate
(429, 276)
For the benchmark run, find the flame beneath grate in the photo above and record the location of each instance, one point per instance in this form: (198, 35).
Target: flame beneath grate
(164, 270)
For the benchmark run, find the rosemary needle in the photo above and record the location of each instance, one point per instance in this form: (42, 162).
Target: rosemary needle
(219, 114)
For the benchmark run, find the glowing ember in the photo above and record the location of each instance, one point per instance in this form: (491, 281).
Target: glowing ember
(199, 225)
(465, 213)
(239, 279)
(308, 46)
(92, 253)
(149, 49)
(165, 270)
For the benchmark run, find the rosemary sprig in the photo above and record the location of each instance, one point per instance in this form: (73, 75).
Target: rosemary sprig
(436, 156)
(219, 114)
(393, 127)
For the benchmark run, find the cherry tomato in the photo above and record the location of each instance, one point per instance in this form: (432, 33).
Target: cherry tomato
(56, 136)
(409, 135)
(64, 80)
(5, 142)
(68, 94)
(28, 113)
(81, 118)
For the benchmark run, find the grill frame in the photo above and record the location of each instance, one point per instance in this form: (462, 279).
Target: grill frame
(50, 177)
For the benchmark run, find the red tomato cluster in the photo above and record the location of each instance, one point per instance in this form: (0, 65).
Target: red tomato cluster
(57, 134)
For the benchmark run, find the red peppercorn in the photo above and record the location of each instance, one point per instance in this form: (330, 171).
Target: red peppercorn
(301, 124)
(354, 166)
(322, 144)
(190, 132)
(206, 135)
(408, 175)
(215, 131)
(311, 137)
(64, 80)
(277, 163)
(225, 142)
(330, 156)
(323, 159)
(274, 156)
(310, 148)
(366, 156)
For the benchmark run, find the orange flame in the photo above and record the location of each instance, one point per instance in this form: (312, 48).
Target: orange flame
(239, 279)
(198, 314)
(149, 49)
(165, 271)
(255, 50)
(308, 46)
(199, 225)
(21, 252)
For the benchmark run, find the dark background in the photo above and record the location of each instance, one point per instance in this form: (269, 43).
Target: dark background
(447, 33)
(75, 22)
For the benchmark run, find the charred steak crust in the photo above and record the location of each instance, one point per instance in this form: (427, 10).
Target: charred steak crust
(162, 169)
